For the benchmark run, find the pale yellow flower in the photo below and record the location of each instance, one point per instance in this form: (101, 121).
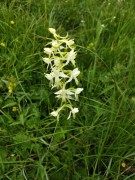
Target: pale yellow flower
(10, 89)
(14, 108)
(3, 44)
(12, 22)
(123, 164)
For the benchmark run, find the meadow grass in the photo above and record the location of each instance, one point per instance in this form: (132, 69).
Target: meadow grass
(100, 143)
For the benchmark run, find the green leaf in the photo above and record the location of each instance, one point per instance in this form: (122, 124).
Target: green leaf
(9, 103)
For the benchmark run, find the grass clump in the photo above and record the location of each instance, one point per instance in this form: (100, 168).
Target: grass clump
(99, 143)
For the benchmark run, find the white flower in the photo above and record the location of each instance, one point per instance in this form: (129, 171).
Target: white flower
(73, 112)
(82, 21)
(70, 57)
(69, 43)
(54, 77)
(55, 44)
(58, 72)
(49, 76)
(77, 91)
(64, 94)
(73, 75)
(57, 61)
(54, 113)
(47, 61)
(53, 31)
(48, 50)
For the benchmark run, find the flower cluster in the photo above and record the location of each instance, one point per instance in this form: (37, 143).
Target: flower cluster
(11, 84)
(60, 55)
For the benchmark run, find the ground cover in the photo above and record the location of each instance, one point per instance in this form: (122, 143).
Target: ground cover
(100, 142)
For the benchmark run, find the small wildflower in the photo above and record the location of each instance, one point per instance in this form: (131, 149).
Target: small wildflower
(70, 57)
(3, 44)
(55, 44)
(12, 155)
(82, 21)
(55, 76)
(73, 75)
(77, 92)
(14, 108)
(47, 60)
(64, 94)
(12, 22)
(10, 89)
(123, 164)
(73, 112)
(11, 84)
(54, 113)
(53, 31)
(68, 43)
(48, 51)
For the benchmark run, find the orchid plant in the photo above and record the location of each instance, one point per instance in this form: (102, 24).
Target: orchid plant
(60, 56)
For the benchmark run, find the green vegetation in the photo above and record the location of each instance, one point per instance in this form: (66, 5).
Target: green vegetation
(100, 143)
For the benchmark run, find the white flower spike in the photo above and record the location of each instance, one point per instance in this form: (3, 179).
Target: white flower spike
(60, 55)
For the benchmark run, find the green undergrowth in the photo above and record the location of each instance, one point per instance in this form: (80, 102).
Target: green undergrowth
(100, 143)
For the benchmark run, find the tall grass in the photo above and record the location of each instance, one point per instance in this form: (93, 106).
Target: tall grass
(100, 142)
